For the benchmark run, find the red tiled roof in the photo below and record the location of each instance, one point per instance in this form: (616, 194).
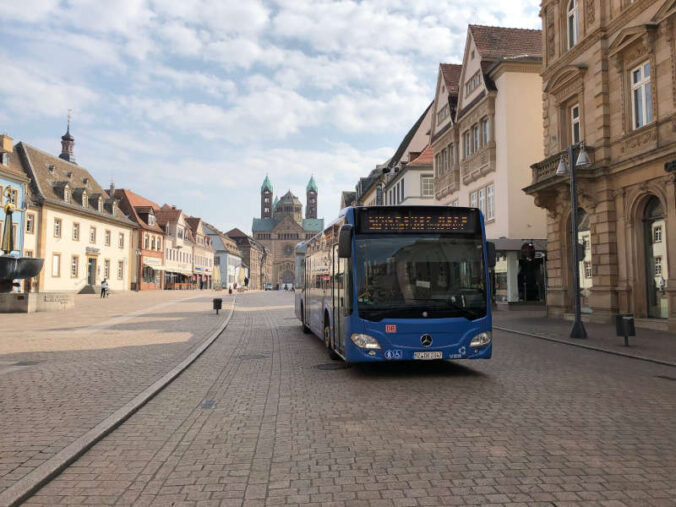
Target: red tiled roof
(167, 214)
(451, 73)
(425, 158)
(496, 42)
(134, 204)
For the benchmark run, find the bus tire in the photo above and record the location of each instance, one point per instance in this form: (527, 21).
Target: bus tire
(306, 329)
(327, 341)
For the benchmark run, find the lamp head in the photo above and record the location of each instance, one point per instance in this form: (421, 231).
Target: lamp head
(582, 158)
(562, 168)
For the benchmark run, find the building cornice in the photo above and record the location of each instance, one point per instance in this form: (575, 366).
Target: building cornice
(76, 210)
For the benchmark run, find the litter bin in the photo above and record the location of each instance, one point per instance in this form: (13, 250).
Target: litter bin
(218, 304)
(624, 326)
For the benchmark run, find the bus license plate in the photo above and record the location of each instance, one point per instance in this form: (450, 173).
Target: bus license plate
(435, 354)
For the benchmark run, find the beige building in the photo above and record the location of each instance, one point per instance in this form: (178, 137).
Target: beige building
(78, 229)
(178, 248)
(486, 127)
(608, 80)
(203, 254)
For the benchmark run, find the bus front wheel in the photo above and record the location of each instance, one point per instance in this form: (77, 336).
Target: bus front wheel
(327, 342)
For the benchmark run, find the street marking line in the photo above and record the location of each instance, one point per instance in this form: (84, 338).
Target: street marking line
(584, 346)
(32, 482)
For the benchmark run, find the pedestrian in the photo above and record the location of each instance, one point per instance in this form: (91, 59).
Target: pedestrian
(104, 288)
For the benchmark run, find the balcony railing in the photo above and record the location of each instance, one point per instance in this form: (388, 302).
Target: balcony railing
(479, 164)
(546, 169)
(447, 183)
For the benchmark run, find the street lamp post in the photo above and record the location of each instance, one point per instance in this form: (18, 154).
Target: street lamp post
(578, 330)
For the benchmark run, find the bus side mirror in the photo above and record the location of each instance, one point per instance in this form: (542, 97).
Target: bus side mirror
(345, 242)
(490, 253)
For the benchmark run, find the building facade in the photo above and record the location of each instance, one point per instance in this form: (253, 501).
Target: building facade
(178, 248)
(280, 228)
(13, 183)
(255, 257)
(203, 254)
(83, 236)
(227, 258)
(148, 260)
(485, 134)
(609, 81)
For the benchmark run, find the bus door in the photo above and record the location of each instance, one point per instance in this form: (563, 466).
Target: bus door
(338, 301)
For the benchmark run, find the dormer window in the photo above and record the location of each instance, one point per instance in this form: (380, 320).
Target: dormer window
(99, 204)
(473, 83)
(84, 199)
(151, 219)
(66, 193)
(4, 158)
(573, 23)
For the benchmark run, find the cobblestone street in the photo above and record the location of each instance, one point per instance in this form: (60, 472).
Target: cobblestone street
(61, 373)
(265, 418)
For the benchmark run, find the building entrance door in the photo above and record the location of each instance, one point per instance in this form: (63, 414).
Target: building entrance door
(656, 259)
(91, 271)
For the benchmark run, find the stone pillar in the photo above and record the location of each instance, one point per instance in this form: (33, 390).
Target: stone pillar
(512, 277)
(670, 228)
(603, 228)
(556, 277)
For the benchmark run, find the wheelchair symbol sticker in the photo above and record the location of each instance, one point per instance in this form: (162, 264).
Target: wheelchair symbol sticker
(393, 354)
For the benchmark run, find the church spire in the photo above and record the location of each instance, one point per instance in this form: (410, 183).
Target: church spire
(67, 143)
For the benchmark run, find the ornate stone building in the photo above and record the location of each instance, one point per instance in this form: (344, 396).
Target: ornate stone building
(282, 226)
(609, 80)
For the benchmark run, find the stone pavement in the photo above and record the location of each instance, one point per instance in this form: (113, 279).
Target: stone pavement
(61, 373)
(263, 417)
(648, 343)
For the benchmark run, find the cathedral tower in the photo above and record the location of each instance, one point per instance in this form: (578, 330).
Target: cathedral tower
(266, 198)
(311, 203)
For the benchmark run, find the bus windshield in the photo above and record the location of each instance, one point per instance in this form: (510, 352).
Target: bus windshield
(420, 276)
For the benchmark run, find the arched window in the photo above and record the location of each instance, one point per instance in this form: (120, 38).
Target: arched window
(573, 23)
(657, 272)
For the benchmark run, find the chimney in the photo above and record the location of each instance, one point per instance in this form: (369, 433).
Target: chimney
(5, 143)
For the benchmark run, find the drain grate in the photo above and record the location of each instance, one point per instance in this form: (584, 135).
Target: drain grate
(26, 363)
(665, 377)
(246, 357)
(332, 366)
(207, 404)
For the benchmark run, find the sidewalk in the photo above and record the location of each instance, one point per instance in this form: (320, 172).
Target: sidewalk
(62, 373)
(648, 344)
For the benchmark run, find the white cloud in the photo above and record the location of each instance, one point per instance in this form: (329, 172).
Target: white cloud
(202, 93)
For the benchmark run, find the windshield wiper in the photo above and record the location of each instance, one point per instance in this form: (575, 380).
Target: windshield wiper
(466, 312)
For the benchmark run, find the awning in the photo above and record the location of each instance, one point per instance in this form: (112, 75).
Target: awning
(156, 267)
(510, 244)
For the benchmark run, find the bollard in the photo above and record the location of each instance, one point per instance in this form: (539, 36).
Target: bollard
(218, 304)
(624, 326)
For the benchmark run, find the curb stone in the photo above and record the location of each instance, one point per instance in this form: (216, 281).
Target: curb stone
(32, 482)
(584, 346)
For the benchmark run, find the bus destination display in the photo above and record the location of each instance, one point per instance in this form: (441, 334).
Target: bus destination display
(424, 220)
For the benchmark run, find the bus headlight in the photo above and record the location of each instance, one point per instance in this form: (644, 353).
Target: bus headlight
(364, 341)
(481, 339)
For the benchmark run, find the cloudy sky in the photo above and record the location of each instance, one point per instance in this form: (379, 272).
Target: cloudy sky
(192, 102)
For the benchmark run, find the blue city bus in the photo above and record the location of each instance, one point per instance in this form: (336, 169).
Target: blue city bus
(398, 283)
